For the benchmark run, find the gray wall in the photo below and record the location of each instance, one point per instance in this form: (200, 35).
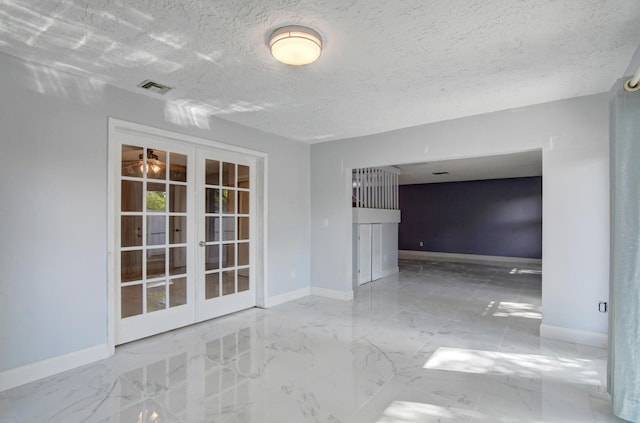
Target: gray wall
(573, 136)
(53, 205)
(496, 217)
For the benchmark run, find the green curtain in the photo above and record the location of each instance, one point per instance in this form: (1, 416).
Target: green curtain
(624, 298)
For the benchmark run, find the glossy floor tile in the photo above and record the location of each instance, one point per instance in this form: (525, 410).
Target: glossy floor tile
(438, 342)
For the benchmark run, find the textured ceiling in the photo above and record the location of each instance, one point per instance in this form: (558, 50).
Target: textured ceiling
(387, 64)
(517, 165)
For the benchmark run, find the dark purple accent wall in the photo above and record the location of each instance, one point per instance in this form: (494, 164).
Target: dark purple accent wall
(496, 217)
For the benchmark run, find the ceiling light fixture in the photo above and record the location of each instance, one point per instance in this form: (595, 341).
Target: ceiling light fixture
(295, 45)
(153, 161)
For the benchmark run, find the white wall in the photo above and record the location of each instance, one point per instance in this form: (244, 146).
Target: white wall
(575, 194)
(53, 205)
(634, 64)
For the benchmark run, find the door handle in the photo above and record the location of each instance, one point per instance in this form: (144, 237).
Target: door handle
(202, 243)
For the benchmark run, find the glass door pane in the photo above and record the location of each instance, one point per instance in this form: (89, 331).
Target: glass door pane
(153, 260)
(225, 234)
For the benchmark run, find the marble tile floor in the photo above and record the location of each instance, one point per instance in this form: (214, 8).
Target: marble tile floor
(438, 342)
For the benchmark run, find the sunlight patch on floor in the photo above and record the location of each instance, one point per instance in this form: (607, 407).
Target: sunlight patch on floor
(511, 309)
(570, 370)
(416, 412)
(517, 271)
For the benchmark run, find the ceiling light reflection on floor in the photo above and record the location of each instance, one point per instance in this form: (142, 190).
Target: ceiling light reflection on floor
(148, 416)
(568, 370)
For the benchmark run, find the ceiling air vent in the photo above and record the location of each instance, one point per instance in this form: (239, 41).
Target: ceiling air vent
(154, 87)
(440, 173)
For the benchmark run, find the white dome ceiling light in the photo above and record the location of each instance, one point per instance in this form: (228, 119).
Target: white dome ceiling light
(295, 45)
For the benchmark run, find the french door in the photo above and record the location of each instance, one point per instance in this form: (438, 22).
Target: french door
(225, 247)
(184, 235)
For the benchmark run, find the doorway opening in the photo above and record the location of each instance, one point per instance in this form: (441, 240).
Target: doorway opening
(375, 217)
(507, 230)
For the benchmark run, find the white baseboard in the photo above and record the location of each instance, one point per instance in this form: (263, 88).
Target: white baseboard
(51, 366)
(390, 271)
(288, 296)
(465, 258)
(332, 293)
(594, 339)
(384, 274)
(314, 290)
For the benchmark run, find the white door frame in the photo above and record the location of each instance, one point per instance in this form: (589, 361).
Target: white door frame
(118, 126)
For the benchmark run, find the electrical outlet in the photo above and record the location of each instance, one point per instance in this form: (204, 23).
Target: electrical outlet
(602, 306)
(421, 244)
